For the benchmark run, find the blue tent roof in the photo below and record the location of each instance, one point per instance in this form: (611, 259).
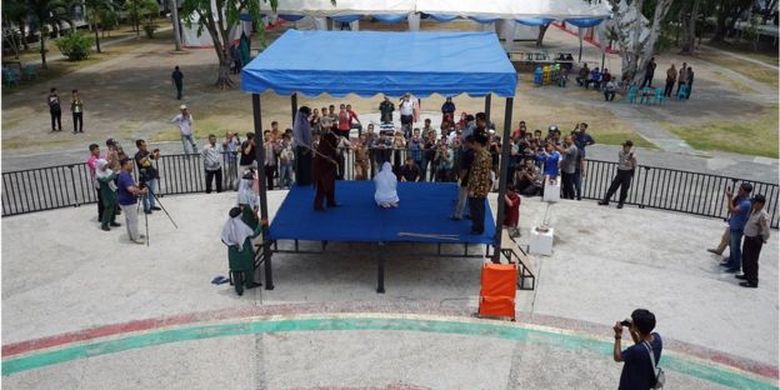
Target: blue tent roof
(393, 63)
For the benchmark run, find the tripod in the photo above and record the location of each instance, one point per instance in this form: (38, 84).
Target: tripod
(146, 216)
(157, 200)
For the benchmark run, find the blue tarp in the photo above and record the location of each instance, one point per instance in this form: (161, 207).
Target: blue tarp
(390, 18)
(443, 18)
(534, 21)
(585, 22)
(371, 62)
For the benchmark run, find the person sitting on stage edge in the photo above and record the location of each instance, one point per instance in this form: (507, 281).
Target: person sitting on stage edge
(386, 182)
(324, 173)
(479, 182)
(237, 235)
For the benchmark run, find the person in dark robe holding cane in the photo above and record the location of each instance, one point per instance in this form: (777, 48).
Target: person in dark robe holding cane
(303, 147)
(325, 167)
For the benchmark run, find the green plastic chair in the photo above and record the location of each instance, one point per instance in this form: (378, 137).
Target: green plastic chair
(9, 78)
(30, 72)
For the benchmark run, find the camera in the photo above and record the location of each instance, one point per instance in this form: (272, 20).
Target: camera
(625, 323)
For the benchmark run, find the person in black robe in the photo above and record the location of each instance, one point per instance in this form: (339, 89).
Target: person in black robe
(324, 172)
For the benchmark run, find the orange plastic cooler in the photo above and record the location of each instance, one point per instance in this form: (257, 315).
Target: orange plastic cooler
(498, 289)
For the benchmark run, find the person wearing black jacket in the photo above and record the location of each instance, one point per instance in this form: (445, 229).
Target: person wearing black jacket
(55, 110)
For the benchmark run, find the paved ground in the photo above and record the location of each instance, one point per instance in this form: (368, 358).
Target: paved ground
(109, 313)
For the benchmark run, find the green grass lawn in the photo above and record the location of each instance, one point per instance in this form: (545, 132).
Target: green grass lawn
(757, 138)
(620, 138)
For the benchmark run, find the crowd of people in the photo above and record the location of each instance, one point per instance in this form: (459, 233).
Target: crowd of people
(604, 81)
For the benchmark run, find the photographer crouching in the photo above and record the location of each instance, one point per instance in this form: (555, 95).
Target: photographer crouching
(640, 370)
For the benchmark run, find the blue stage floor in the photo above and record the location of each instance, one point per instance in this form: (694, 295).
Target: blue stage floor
(424, 209)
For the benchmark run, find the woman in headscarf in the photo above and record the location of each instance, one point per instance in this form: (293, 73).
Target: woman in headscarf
(325, 167)
(302, 140)
(386, 182)
(106, 180)
(238, 236)
(247, 199)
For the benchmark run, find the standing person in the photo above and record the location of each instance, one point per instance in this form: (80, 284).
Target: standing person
(212, 162)
(740, 212)
(690, 82)
(725, 238)
(127, 193)
(361, 158)
(551, 159)
(479, 183)
(147, 173)
(386, 109)
(286, 161)
(682, 78)
(55, 110)
(756, 235)
(247, 199)
(448, 110)
(77, 109)
(184, 122)
(344, 122)
(177, 78)
(230, 147)
(106, 178)
(415, 148)
(641, 358)
(512, 211)
(324, 172)
(582, 139)
(625, 172)
(94, 156)
(237, 235)
(671, 78)
(649, 74)
(303, 146)
(269, 165)
(407, 113)
(246, 160)
(569, 153)
(354, 121)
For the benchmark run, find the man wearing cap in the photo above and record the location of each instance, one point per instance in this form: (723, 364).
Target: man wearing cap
(625, 171)
(184, 122)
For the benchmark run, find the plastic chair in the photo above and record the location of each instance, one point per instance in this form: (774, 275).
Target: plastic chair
(646, 96)
(659, 96)
(682, 94)
(9, 78)
(547, 73)
(30, 72)
(632, 92)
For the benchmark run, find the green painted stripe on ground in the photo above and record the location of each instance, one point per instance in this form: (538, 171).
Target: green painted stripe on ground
(254, 326)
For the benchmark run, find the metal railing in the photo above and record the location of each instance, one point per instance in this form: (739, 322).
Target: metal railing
(660, 188)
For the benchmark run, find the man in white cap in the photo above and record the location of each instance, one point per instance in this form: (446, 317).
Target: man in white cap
(184, 122)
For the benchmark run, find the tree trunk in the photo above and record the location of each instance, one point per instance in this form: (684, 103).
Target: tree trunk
(97, 39)
(175, 22)
(223, 79)
(720, 23)
(540, 37)
(43, 51)
(689, 45)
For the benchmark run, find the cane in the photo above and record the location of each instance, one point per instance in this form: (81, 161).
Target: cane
(146, 223)
(163, 208)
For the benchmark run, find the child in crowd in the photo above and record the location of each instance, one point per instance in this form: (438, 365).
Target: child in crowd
(512, 211)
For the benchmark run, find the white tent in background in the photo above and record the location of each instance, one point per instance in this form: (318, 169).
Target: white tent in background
(507, 17)
(191, 39)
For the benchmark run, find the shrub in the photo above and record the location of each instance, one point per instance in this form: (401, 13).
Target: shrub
(75, 46)
(149, 29)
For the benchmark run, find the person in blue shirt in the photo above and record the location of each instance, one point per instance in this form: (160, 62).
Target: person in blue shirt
(550, 157)
(638, 373)
(595, 79)
(739, 210)
(127, 195)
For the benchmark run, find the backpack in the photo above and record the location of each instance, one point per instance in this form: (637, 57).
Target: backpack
(658, 372)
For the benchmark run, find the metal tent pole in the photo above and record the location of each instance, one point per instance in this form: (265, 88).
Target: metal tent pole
(260, 158)
(502, 177)
(294, 105)
(488, 99)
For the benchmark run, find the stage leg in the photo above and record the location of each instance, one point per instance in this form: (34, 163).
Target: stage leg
(380, 275)
(269, 275)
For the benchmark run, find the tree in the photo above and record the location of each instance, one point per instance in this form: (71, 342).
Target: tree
(727, 14)
(100, 13)
(542, 31)
(45, 13)
(14, 15)
(635, 34)
(689, 28)
(219, 18)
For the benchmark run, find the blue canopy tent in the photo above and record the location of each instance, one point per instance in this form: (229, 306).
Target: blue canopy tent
(366, 63)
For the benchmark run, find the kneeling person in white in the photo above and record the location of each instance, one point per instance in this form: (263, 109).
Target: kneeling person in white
(385, 182)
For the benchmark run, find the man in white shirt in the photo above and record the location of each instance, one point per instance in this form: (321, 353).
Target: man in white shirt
(212, 162)
(407, 114)
(184, 122)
